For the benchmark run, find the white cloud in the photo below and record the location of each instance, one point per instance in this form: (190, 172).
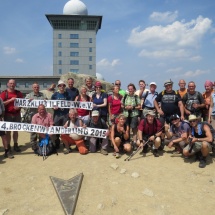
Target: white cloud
(191, 74)
(106, 63)
(19, 60)
(195, 58)
(166, 17)
(9, 50)
(175, 70)
(179, 34)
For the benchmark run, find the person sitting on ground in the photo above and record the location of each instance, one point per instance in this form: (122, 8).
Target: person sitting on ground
(177, 136)
(97, 122)
(45, 119)
(83, 97)
(200, 140)
(8, 153)
(149, 129)
(72, 138)
(120, 136)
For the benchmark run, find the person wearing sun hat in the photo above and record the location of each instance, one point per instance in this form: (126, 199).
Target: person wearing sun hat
(60, 114)
(200, 140)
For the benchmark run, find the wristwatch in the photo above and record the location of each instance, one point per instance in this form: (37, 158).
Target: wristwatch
(198, 139)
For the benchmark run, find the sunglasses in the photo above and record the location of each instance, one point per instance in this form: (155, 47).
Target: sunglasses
(191, 121)
(118, 84)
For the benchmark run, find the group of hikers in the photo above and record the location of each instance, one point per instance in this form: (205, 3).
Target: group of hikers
(134, 119)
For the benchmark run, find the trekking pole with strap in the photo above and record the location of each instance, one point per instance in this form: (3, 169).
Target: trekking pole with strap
(191, 145)
(140, 147)
(135, 152)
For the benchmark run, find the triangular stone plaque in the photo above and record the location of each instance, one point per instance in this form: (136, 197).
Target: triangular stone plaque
(67, 191)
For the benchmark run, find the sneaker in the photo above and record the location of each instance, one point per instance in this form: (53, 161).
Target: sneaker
(118, 155)
(155, 153)
(67, 151)
(16, 148)
(145, 149)
(104, 152)
(8, 155)
(202, 163)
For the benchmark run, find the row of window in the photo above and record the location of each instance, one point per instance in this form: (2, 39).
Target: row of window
(74, 62)
(74, 70)
(74, 36)
(73, 54)
(72, 45)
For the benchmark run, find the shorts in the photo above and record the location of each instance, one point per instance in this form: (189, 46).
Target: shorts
(133, 122)
(2, 133)
(12, 118)
(197, 147)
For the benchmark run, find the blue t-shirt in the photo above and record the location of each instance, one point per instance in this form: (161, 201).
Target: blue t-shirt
(72, 93)
(98, 101)
(61, 96)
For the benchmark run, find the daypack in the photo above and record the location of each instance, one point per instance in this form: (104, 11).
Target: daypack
(181, 126)
(147, 93)
(203, 132)
(124, 98)
(45, 147)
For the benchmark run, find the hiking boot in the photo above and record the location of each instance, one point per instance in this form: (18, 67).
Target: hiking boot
(161, 147)
(8, 155)
(104, 152)
(145, 149)
(118, 155)
(202, 163)
(198, 156)
(155, 153)
(16, 148)
(67, 151)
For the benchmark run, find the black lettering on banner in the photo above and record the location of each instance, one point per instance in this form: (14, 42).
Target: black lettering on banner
(11, 126)
(15, 126)
(85, 131)
(79, 131)
(57, 130)
(32, 128)
(89, 105)
(28, 104)
(42, 129)
(16, 102)
(4, 126)
(92, 132)
(51, 130)
(96, 132)
(33, 104)
(76, 104)
(24, 126)
(69, 130)
(62, 104)
(19, 126)
(62, 130)
(104, 133)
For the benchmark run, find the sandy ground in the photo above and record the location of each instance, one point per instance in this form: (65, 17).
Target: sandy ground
(166, 185)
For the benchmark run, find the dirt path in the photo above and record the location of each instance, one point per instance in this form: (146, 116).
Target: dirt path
(166, 185)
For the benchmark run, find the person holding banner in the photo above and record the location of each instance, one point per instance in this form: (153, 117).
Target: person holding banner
(35, 95)
(12, 113)
(61, 115)
(97, 122)
(7, 153)
(45, 119)
(72, 138)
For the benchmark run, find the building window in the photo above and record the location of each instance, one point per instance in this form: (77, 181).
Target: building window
(90, 49)
(60, 62)
(17, 85)
(90, 58)
(59, 36)
(90, 67)
(26, 85)
(74, 36)
(60, 71)
(74, 62)
(74, 45)
(74, 70)
(59, 45)
(74, 54)
(59, 54)
(90, 40)
(45, 85)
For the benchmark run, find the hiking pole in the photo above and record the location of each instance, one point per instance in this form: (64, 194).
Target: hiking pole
(138, 149)
(44, 151)
(191, 145)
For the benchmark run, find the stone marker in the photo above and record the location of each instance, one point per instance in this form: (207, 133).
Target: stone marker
(67, 191)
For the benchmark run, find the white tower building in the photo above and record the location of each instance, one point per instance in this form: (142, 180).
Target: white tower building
(74, 39)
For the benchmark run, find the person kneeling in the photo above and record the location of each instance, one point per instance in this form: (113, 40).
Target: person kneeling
(149, 132)
(120, 136)
(69, 139)
(201, 140)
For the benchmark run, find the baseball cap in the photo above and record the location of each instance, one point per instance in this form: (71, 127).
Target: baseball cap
(60, 82)
(167, 82)
(150, 112)
(95, 113)
(98, 84)
(192, 117)
(173, 117)
(152, 84)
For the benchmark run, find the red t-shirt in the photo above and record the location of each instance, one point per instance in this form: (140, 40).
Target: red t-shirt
(149, 129)
(115, 105)
(82, 112)
(9, 108)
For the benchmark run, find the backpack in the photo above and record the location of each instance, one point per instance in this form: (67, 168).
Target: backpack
(112, 98)
(45, 147)
(147, 93)
(135, 96)
(6, 93)
(181, 126)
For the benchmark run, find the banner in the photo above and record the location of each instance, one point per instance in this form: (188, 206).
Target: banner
(90, 132)
(28, 103)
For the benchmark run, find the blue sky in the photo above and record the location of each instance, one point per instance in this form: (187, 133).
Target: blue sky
(153, 40)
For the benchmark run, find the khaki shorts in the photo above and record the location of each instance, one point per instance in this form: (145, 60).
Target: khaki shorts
(197, 147)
